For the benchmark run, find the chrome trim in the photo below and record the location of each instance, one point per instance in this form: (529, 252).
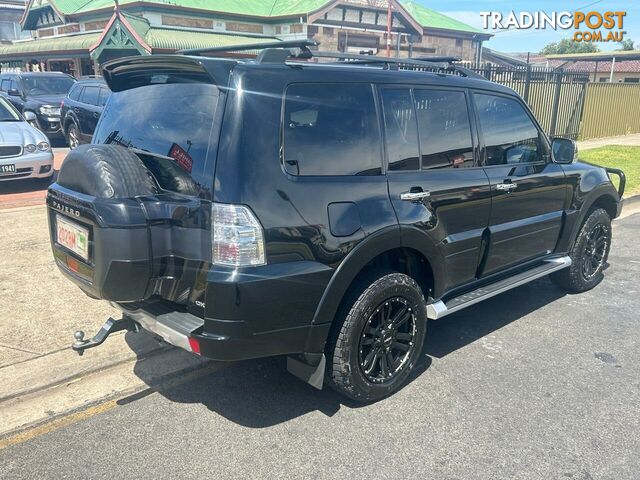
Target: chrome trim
(506, 187)
(438, 309)
(414, 196)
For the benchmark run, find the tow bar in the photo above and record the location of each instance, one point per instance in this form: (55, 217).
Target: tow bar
(110, 326)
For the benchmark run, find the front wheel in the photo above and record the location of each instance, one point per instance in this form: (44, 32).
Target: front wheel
(376, 345)
(588, 255)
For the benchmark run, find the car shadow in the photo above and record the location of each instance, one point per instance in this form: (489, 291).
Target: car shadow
(27, 185)
(260, 393)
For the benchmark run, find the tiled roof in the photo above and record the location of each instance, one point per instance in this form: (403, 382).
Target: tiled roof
(622, 66)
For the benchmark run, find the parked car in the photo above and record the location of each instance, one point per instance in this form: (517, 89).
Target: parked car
(39, 93)
(322, 211)
(81, 110)
(24, 150)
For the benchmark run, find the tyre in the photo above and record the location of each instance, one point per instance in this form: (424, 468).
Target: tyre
(73, 136)
(106, 171)
(378, 338)
(588, 255)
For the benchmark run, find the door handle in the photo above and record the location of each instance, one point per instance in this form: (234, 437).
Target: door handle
(96, 114)
(506, 187)
(414, 196)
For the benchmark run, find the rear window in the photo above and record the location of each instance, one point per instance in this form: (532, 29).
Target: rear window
(331, 129)
(172, 122)
(90, 95)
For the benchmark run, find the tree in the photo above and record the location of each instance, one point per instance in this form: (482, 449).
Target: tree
(626, 44)
(566, 45)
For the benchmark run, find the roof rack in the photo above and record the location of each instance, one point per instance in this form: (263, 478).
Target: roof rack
(302, 45)
(287, 50)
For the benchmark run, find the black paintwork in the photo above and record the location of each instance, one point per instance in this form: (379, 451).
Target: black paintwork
(79, 112)
(50, 125)
(320, 232)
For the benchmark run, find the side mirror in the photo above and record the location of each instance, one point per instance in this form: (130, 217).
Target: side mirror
(29, 116)
(564, 150)
(14, 92)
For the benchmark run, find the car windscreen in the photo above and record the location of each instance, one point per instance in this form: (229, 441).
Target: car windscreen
(47, 84)
(172, 122)
(7, 113)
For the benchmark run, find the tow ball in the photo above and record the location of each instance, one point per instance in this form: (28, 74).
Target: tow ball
(80, 344)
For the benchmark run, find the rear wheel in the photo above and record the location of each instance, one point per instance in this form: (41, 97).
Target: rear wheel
(378, 341)
(589, 255)
(73, 135)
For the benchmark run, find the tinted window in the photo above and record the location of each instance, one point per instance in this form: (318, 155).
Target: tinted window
(4, 86)
(74, 94)
(331, 129)
(14, 85)
(104, 96)
(90, 95)
(510, 135)
(401, 131)
(47, 84)
(172, 121)
(444, 128)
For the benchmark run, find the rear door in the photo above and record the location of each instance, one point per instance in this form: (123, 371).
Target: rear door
(528, 190)
(435, 186)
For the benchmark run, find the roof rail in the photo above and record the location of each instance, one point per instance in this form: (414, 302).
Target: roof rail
(303, 45)
(282, 51)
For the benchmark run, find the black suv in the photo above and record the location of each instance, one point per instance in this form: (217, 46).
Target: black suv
(39, 93)
(81, 110)
(322, 211)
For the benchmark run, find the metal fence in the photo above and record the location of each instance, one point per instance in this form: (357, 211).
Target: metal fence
(556, 97)
(611, 109)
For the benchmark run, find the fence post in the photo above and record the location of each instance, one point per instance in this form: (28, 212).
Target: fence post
(527, 83)
(556, 100)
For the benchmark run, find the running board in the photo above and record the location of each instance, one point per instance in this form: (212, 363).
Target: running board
(441, 309)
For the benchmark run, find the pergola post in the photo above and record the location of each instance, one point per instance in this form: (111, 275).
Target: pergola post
(613, 64)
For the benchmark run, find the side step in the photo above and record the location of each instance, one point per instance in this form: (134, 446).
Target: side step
(441, 309)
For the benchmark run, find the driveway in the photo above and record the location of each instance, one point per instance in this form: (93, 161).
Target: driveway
(530, 384)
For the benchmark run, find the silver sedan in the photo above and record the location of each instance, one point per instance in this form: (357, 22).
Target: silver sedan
(24, 150)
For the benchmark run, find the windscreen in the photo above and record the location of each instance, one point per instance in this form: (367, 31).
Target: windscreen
(47, 85)
(172, 122)
(7, 113)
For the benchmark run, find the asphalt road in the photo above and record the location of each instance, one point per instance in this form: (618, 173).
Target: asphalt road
(530, 384)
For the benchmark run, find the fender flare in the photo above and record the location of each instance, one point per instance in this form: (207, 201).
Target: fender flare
(372, 246)
(602, 190)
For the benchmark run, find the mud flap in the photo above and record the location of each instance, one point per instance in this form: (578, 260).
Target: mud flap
(309, 368)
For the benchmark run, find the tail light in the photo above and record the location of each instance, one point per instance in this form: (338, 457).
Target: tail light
(238, 239)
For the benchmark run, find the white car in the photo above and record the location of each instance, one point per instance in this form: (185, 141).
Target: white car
(24, 150)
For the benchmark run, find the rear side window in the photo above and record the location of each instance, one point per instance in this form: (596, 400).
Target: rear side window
(104, 96)
(401, 131)
(510, 136)
(90, 95)
(330, 129)
(444, 128)
(4, 86)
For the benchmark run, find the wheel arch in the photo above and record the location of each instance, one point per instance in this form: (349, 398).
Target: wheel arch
(392, 248)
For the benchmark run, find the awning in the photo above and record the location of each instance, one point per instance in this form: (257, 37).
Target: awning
(69, 44)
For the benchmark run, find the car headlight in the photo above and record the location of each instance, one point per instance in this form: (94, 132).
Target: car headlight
(44, 146)
(30, 148)
(49, 110)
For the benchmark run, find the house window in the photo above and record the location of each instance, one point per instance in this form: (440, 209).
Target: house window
(603, 79)
(631, 79)
(312, 30)
(278, 29)
(328, 31)
(295, 28)
(45, 32)
(458, 42)
(244, 27)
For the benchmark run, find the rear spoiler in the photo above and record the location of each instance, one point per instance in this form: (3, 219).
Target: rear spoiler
(131, 72)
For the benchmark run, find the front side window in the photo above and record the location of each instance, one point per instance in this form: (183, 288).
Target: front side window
(401, 131)
(510, 136)
(330, 129)
(75, 92)
(444, 128)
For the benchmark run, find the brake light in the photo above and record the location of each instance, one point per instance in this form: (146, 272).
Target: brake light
(195, 345)
(238, 239)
